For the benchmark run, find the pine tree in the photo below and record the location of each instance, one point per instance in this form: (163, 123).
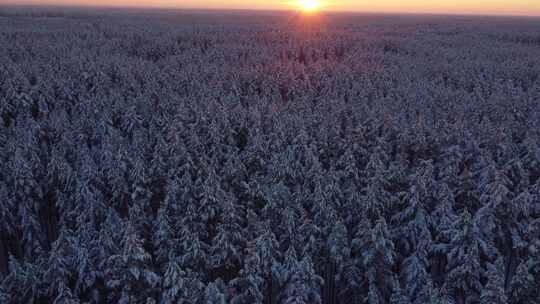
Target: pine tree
(22, 282)
(413, 236)
(376, 200)
(399, 296)
(194, 250)
(353, 274)
(7, 225)
(31, 238)
(164, 238)
(179, 286)
(301, 283)
(414, 219)
(464, 260)
(250, 282)
(494, 291)
(213, 295)
(58, 271)
(377, 252)
(129, 277)
(438, 296)
(443, 221)
(338, 253)
(65, 296)
(86, 265)
(449, 166)
(227, 245)
(416, 274)
(211, 196)
(504, 218)
(524, 285)
(326, 240)
(267, 249)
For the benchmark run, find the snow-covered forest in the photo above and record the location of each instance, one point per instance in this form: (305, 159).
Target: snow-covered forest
(198, 157)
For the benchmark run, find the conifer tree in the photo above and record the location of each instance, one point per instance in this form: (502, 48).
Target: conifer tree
(129, 276)
(399, 296)
(494, 291)
(213, 295)
(464, 260)
(378, 256)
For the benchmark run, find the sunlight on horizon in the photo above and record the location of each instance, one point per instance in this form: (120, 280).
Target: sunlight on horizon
(490, 7)
(309, 6)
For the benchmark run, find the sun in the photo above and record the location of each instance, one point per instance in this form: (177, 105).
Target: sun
(309, 5)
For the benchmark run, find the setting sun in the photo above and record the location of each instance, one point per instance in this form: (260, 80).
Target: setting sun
(309, 5)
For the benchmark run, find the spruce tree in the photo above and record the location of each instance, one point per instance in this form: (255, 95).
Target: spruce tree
(494, 291)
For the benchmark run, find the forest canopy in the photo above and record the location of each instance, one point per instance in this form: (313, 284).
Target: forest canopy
(201, 158)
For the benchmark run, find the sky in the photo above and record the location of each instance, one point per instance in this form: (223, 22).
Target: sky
(492, 7)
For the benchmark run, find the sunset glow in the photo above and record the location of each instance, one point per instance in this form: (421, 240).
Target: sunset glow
(489, 7)
(309, 5)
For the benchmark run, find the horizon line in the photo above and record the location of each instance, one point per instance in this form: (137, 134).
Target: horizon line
(275, 10)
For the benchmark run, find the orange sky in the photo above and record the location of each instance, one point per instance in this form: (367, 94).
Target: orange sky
(498, 7)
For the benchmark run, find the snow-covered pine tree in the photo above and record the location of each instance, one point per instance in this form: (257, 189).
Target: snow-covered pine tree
(226, 248)
(524, 285)
(504, 217)
(494, 291)
(399, 296)
(376, 200)
(129, 276)
(250, 282)
(465, 269)
(180, 286)
(300, 283)
(22, 282)
(443, 220)
(58, 270)
(213, 295)
(377, 251)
